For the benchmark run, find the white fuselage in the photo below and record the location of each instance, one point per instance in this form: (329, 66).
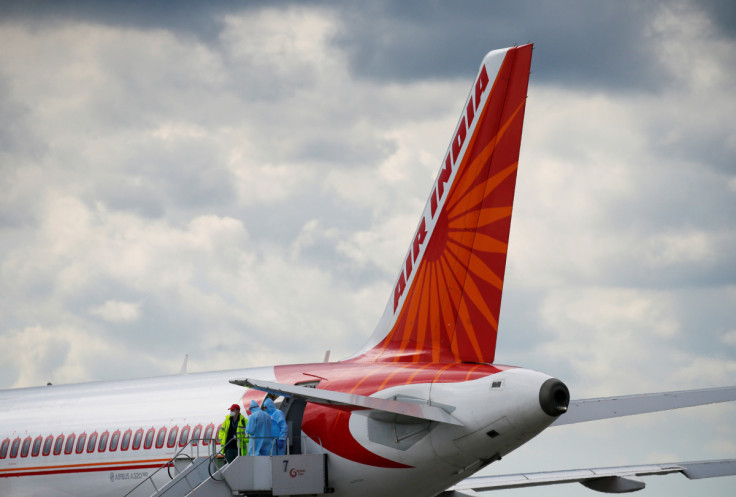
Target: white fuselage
(498, 413)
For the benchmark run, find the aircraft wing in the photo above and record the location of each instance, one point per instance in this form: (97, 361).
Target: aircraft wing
(609, 480)
(617, 479)
(402, 408)
(580, 411)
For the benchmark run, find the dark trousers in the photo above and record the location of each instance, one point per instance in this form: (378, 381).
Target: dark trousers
(231, 450)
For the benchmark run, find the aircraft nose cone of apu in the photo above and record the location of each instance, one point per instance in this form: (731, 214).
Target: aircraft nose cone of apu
(499, 413)
(554, 397)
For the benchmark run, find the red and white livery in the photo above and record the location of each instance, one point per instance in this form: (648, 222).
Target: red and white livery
(416, 411)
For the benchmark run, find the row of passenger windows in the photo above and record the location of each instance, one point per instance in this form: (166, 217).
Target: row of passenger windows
(106, 442)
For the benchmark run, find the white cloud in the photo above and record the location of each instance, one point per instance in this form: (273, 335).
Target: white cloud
(201, 196)
(381, 245)
(36, 355)
(116, 311)
(667, 249)
(260, 184)
(607, 335)
(729, 338)
(680, 33)
(707, 370)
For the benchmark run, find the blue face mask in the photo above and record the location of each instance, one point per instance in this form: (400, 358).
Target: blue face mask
(233, 413)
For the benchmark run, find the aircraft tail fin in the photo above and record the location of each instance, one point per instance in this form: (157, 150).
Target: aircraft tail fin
(447, 297)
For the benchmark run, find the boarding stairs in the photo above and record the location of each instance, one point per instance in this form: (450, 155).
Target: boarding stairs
(210, 476)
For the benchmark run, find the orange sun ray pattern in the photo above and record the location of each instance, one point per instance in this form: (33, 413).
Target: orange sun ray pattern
(451, 308)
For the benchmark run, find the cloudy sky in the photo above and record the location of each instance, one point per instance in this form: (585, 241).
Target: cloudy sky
(240, 181)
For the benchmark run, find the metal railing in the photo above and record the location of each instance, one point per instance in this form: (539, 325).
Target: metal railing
(211, 444)
(288, 443)
(216, 457)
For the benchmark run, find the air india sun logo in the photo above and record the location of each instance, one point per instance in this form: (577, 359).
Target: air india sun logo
(451, 310)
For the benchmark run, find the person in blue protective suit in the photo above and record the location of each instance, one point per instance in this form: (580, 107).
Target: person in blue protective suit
(278, 426)
(259, 429)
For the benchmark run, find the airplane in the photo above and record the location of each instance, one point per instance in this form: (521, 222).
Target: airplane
(419, 409)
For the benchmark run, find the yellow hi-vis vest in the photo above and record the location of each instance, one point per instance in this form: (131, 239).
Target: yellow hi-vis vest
(239, 434)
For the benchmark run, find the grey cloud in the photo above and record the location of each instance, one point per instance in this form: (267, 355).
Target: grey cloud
(345, 150)
(716, 302)
(128, 196)
(15, 135)
(606, 47)
(723, 14)
(199, 19)
(711, 147)
(190, 175)
(578, 43)
(282, 225)
(248, 205)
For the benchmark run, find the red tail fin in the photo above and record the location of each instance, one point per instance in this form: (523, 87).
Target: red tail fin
(447, 298)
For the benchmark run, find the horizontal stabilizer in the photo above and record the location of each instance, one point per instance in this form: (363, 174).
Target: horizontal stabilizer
(580, 411)
(618, 479)
(419, 411)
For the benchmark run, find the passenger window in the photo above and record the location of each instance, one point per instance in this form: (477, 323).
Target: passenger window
(80, 443)
(92, 442)
(69, 444)
(149, 438)
(47, 445)
(103, 442)
(137, 439)
(161, 438)
(208, 434)
(195, 434)
(4, 448)
(37, 446)
(184, 438)
(14, 448)
(58, 445)
(171, 442)
(26, 447)
(114, 440)
(126, 439)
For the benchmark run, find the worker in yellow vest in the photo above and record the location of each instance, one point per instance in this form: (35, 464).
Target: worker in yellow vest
(232, 436)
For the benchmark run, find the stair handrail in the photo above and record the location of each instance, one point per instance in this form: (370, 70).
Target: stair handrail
(212, 445)
(214, 454)
(273, 440)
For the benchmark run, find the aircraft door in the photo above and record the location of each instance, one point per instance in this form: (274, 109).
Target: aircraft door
(293, 409)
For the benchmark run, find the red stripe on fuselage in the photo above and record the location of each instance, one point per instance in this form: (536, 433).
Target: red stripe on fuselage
(329, 425)
(81, 468)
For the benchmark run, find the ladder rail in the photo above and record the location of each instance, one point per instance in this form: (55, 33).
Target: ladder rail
(288, 444)
(214, 455)
(191, 444)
